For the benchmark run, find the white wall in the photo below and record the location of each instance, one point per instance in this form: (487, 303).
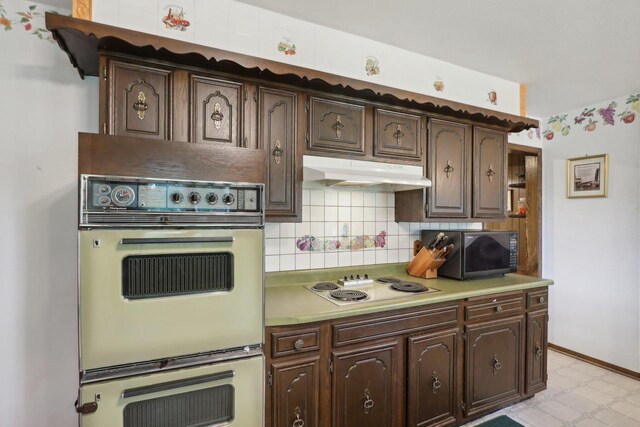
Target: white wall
(591, 247)
(43, 105)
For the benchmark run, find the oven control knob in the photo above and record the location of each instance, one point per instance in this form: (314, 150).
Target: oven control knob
(104, 201)
(228, 199)
(212, 198)
(176, 197)
(194, 198)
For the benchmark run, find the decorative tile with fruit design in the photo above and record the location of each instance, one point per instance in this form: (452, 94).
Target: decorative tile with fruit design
(493, 97)
(372, 66)
(287, 46)
(438, 85)
(175, 18)
(30, 19)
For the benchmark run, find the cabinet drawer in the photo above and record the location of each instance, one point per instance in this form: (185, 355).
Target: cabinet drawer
(298, 341)
(385, 326)
(397, 135)
(493, 307)
(538, 300)
(336, 126)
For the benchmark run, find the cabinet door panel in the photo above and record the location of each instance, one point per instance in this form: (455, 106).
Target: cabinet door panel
(536, 352)
(216, 111)
(397, 135)
(489, 179)
(277, 129)
(365, 386)
(140, 100)
(336, 126)
(493, 356)
(431, 395)
(448, 160)
(296, 393)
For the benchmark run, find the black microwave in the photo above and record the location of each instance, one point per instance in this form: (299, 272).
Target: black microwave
(477, 253)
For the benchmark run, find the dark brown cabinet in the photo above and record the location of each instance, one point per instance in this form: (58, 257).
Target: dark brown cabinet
(295, 397)
(277, 130)
(336, 126)
(489, 178)
(138, 101)
(397, 135)
(432, 391)
(364, 386)
(493, 363)
(216, 111)
(449, 168)
(536, 379)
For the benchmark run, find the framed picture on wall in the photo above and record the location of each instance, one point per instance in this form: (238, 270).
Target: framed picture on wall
(587, 176)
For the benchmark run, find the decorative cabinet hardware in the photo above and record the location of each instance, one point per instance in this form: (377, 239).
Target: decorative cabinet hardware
(496, 364)
(277, 157)
(435, 384)
(538, 352)
(541, 300)
(448, 169)
(298, 344)
(398, 135)
(217, 115)
(490, 173)
(499, 309)
(338, 126)
(90, 407)
(298, 422)
(141, 105)
(368, 402)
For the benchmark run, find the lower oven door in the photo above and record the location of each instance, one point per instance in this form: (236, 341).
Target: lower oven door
(156, 294)
(227, 393)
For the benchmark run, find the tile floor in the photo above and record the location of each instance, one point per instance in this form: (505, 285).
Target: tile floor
(578, 394)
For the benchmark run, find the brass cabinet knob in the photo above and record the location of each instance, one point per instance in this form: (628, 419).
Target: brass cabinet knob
(298, 422)
(541, 300)
(499, 309)
(298, 344)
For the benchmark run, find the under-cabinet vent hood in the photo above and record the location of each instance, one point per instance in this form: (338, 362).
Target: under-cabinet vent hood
(324, 171)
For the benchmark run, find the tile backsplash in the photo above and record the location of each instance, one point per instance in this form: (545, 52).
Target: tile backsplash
(342, 228)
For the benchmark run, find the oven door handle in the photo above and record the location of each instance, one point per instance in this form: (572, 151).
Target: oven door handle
(170, 385)
(169, 240)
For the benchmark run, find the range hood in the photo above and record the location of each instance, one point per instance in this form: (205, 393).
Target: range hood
(324, 171)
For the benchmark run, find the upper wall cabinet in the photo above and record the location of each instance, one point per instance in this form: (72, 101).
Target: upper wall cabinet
(489, 178)
(397, 135)
(138, 101)
(216, 110)
(449, 161)
(336, 126)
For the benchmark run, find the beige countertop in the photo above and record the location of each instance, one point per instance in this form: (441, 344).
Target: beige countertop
(287, 302)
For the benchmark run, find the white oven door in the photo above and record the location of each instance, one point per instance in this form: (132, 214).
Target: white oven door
(156, 294)
(227, 393)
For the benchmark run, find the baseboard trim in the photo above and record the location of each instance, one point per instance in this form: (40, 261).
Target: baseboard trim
(597, 362)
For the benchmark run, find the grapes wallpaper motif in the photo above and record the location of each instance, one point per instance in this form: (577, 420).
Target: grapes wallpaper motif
(30, 20)
(591, 119)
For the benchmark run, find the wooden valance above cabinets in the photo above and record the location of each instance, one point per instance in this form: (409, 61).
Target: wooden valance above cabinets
(170, 90)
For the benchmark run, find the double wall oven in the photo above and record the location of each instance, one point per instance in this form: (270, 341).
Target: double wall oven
(171, 302)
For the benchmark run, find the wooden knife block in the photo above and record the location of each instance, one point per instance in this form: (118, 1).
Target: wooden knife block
(425, 264)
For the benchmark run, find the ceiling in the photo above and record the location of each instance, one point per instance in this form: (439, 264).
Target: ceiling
(569, 53)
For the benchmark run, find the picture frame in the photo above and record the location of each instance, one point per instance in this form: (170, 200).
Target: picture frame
(588, 176)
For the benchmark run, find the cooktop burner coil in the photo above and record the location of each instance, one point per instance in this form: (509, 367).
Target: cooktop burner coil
(408, 287)
(348, 295)
(325, 286)
(388, 280)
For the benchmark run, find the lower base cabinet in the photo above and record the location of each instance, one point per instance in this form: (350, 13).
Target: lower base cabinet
(439, 365)
(431, 393)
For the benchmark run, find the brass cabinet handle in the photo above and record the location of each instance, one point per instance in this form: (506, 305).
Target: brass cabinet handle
(538, 351)
(141, 105)
(499, 309)
(368, 402)
(277, 152)
(298, 344)
(298, 422)
(541, 300)
(338, 127)
(490, 173)
(496, 364)
(448, 169)
(435, 384)
(398, 135)
(217, 115)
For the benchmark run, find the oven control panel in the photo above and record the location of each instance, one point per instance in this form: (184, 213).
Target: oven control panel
(143, 197)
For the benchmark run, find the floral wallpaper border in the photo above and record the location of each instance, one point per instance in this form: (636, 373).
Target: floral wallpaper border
(31, 19)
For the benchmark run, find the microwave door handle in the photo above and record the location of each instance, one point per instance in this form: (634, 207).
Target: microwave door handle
(171, 385)
(170, 240)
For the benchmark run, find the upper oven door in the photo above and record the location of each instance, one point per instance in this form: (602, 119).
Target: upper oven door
(155, 294)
